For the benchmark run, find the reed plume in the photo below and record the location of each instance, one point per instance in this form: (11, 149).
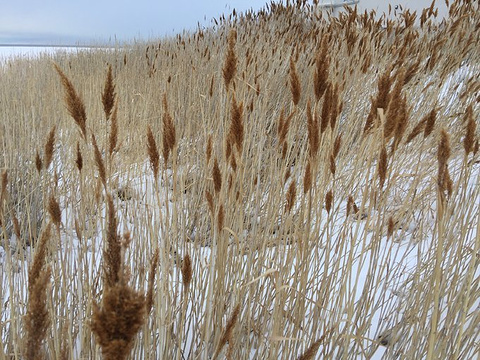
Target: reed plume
(230, 65)
(79, 158)
(291, 193)
(122, 312)
(108, 95)
(151, 281)
(312, 350)
(3, 193)
(326, 109)
(430, 123)
(220, 217)
(37, 319)
(74, 102)
(208, 151)
(236, 132)
(395, 107)
(186, 271)
(118, 320)
(320, 75)
(169, 136)
(307, 179)
(38, 162)
(49, 147)
(417, 130)
(469, 140)
(227, 332)
(112, 254)
(313, 129)
(99, 162)
(54, 211)
(328, 201)
(113, 138)
(382, 166)
(209, 198)
(295, 87)
(153, 154)
(217, 177)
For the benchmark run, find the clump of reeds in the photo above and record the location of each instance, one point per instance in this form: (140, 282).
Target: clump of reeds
(37, 319)
(75, 104)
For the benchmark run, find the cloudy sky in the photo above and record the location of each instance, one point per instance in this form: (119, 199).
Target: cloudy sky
(60, 21)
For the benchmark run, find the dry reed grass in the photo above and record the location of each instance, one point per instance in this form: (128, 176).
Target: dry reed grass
(223, 254)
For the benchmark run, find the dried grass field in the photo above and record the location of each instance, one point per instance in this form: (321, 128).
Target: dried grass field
(279, 185)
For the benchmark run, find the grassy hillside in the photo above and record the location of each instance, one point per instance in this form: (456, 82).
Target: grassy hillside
(279, 185)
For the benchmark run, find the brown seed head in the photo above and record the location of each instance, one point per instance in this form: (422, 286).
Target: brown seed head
(307, 179)
(329, 201)
(209, 197)
(153, 154)
(112, 255)
(74, 102)
(151, 281)
(382, 166)
(209, 149)
(220, 217)
(291, 193)
(443, 153)
(295, 86)
(236, 133)
(217, 177)
(108, 96)
(326, 109)
(54, 211)
(112, 139)
(38, 162)
(230, 65)
(169, 136)
(391, 227)
(116, 323)
(227, 332)
(79, 159)
(322, 64)
(186, 271)
(99, 162)
(49, 146)
(469, 141)
(430, 123)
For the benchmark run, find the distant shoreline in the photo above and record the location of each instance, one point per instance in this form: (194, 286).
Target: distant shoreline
(57, 46)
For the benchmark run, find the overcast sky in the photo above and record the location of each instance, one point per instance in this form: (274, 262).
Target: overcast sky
(84, 21)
